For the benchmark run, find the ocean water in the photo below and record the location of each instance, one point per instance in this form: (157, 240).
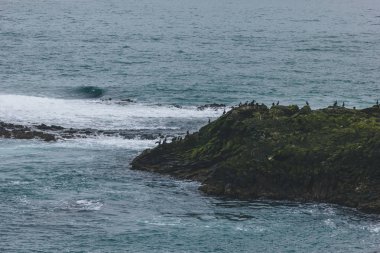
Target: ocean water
(61, 61)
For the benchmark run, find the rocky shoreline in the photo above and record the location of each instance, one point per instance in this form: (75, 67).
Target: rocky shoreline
(283, 152)
(15, 131)
(51, 133)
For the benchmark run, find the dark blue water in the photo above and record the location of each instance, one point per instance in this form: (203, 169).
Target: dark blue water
(175, 51)
(60, 60)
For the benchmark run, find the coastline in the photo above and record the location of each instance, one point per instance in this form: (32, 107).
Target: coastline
(283, 152)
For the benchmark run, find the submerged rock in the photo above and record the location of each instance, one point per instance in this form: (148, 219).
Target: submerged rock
(283, 152)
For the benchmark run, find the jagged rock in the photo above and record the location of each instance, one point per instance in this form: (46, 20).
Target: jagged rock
(46, 127)
(211, 106)
(54, 132)
(15, 131)
(327, 155)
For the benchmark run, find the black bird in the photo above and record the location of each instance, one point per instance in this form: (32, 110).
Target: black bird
(224, 111)
(187, 132)
(335, 103)
(278, 102)
(343, 104)
(272, 104)
(209, 120)
(307, 103)
(377, 102)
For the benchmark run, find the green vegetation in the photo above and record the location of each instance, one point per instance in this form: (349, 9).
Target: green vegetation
(283, 152)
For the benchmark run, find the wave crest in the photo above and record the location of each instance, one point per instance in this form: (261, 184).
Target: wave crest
(89, 92)
(97, 114)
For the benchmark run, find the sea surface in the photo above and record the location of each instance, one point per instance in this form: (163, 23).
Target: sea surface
(144, 66)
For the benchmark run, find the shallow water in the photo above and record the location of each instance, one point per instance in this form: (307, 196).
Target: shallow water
(60, 61)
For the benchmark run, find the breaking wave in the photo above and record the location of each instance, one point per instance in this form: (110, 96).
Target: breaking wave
(98, 114)
(89, 92)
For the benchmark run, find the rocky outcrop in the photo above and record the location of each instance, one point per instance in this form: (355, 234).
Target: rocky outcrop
(15, 131)
(53, 133)
(213, 106)
(283, 152)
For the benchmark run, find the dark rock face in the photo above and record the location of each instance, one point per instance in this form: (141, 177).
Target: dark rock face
(211, 106)
(283, 152)
(54, 133)
(22, 132)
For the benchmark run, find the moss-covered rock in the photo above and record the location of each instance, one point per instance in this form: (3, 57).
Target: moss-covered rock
(283, 152)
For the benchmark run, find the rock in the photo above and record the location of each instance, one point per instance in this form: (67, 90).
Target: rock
(15, 131)
(211, 106)
(54, 132)
(125, 101)
(326, 155)
(128, 100)
(46, 127)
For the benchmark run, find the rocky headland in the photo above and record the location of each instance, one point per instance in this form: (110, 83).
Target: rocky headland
(284, 152)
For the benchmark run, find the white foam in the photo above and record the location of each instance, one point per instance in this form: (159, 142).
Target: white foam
(93, 113)
(330, 223)
(88, 204)
(160, 221)
(105, 142)
(91, 143)
(375, 228)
